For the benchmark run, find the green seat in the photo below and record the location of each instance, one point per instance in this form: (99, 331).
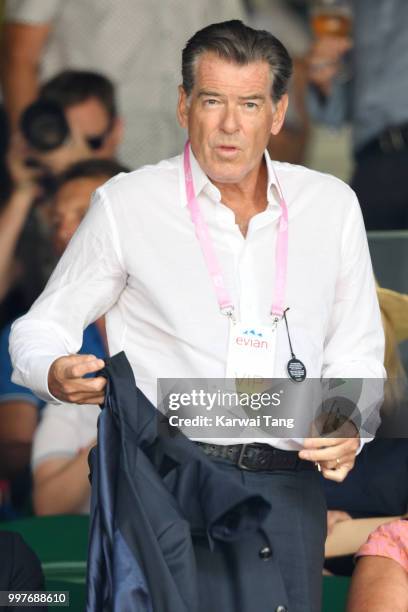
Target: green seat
(389, 254)
(61, 543)
(335, 590)
(54, 538)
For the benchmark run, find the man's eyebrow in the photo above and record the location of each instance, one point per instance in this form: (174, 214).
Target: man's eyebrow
(206, 92)
(216, 94)
(256, 96)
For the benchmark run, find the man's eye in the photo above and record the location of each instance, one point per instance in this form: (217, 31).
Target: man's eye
(251, 105)
(211, 102)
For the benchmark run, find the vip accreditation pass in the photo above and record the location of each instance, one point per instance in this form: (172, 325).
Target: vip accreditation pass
(34, 599)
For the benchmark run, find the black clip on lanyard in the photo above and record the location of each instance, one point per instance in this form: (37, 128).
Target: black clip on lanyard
(295, 368)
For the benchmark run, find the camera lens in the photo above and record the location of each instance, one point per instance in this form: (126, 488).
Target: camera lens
(44, 126)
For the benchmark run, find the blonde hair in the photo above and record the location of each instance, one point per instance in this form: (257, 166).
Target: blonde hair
(396, 376)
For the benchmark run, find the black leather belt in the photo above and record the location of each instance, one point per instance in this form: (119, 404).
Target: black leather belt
(392, 140)
(257, 457)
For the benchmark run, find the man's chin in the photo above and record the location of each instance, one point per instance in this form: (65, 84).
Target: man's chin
(227, 176)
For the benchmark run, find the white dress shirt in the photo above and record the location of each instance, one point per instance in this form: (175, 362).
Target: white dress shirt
(136, 258)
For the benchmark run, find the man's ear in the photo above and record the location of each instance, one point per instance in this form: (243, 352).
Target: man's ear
(182, 107)
(279, 114)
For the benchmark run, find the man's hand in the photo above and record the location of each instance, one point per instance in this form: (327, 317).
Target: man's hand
(335, 456)
(324, 61)
(66, 382)
(24, 177)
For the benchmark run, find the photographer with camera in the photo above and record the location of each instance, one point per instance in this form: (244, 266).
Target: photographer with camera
(133, 42)
(74, 118)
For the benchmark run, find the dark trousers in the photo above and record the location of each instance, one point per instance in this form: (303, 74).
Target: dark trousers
(380, 182)
(280, 569)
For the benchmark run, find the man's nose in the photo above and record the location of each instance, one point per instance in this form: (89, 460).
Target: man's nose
(230, 120)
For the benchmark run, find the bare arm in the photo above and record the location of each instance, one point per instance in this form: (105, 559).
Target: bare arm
(378, 585)
(346, 535)
(61, 486)
(22, 47)
(18, 420)
(324, 61)
(15, 213)
(12, 220)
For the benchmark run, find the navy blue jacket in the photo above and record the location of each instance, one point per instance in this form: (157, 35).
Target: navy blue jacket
(152, 490)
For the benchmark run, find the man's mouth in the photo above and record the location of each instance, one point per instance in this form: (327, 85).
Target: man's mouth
(227, 149)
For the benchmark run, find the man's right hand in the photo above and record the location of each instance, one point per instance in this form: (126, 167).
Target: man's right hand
(324, 61)
(66, 379)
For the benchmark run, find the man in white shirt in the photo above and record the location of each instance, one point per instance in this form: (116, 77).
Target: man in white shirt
(158, 271)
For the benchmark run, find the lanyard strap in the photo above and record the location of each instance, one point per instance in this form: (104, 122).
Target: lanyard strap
(201, 229)
(281, 257)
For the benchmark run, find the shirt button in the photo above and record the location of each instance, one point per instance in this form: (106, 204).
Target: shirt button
(281, 609)
(265, 553)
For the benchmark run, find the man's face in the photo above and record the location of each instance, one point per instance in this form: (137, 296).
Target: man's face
(69, 207)
(230, 116)
(88, 119)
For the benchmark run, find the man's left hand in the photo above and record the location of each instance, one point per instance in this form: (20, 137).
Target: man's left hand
(336, 456)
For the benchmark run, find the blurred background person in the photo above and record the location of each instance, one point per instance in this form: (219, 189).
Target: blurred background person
(62, 442)
(281, 18)
(378, 484)
(358, 70)
(74, 117)
(380, 580)
(5, 180)
(19, 407)
(136, 43)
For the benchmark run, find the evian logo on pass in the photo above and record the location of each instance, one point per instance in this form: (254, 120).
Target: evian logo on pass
(251, 350)
(252, 339)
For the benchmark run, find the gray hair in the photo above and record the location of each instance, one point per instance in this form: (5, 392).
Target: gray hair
(238, 43)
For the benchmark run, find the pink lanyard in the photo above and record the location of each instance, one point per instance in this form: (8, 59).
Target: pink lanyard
(203, 236)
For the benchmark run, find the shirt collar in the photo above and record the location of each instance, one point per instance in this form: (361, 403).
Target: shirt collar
(203, 184)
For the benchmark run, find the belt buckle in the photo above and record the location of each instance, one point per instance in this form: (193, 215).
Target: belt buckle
(240, 463)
